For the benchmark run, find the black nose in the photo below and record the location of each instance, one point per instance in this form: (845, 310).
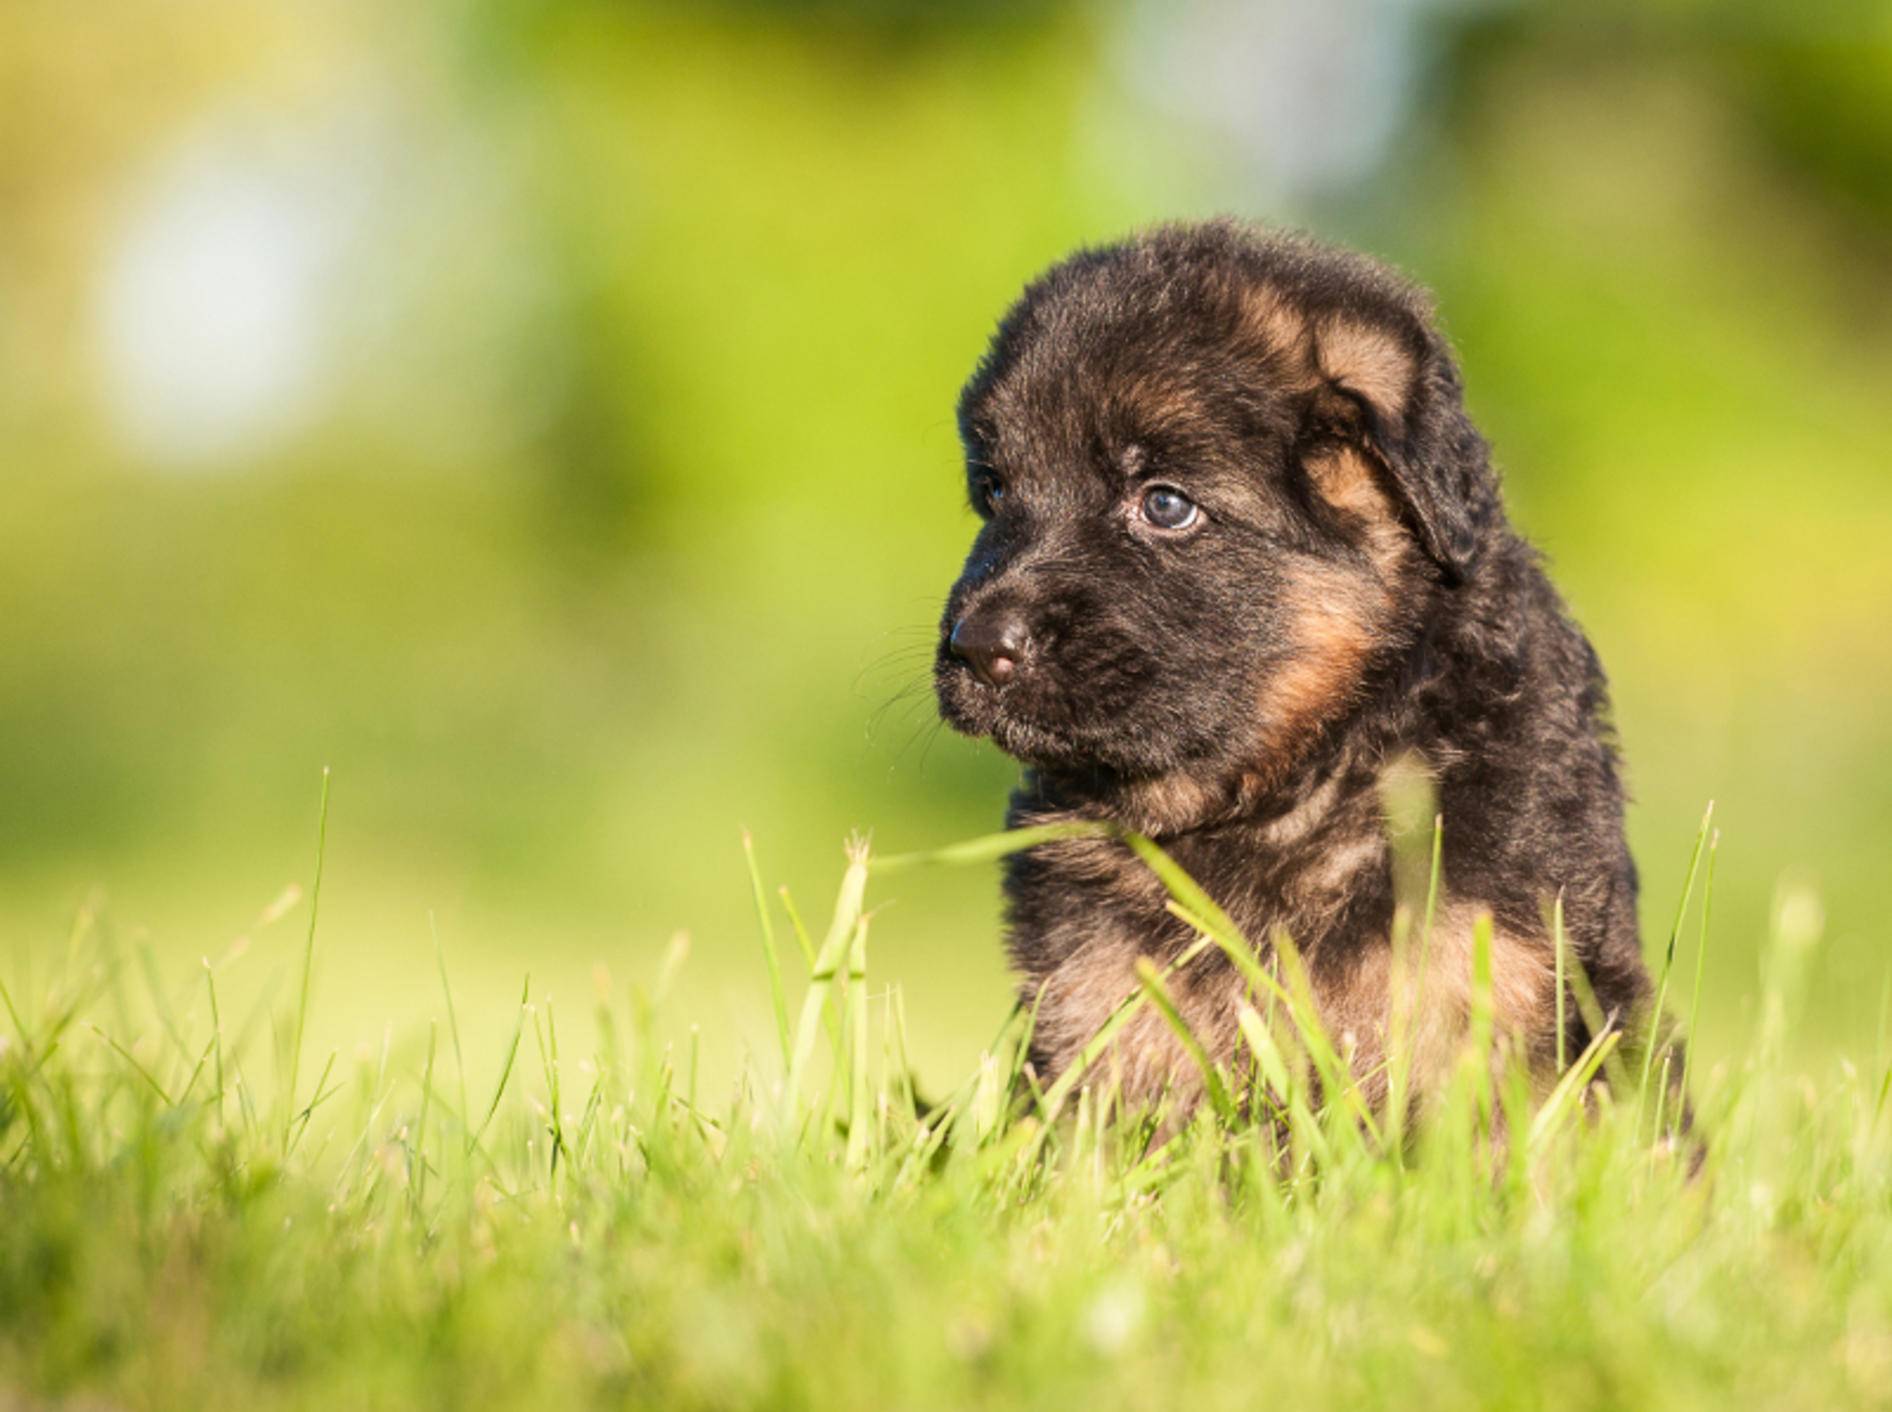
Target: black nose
(992, 642)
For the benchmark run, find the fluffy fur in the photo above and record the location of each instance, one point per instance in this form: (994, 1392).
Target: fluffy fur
(1349, 594)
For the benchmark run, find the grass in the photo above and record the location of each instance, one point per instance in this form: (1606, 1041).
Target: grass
(601, 1233)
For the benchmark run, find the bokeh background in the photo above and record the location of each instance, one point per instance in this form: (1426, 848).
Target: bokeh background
(541, 414)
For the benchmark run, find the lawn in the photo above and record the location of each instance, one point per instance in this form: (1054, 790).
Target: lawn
(198, 1214)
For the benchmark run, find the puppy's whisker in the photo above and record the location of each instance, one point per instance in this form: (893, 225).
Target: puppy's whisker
(907, 664)
(932, 734)
(907, 704)
(898, 756)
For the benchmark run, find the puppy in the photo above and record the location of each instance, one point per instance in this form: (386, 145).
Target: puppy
(1242, 549)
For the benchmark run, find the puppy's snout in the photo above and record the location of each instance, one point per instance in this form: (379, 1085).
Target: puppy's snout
(991, 640)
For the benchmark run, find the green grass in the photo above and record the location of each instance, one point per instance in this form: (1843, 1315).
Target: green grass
(186, 1221)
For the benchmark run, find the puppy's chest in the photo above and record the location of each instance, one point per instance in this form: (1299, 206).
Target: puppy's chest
(1083, 913)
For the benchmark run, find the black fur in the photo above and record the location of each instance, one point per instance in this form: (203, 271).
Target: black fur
(1350, 594)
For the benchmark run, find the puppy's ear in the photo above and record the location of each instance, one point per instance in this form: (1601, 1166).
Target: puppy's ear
(1410, 406)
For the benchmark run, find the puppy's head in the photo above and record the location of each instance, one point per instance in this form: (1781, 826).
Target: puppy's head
(1222, 476)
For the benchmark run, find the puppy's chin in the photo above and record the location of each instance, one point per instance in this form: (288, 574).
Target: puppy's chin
(972, 708)
(1014, 720)
(975, 709)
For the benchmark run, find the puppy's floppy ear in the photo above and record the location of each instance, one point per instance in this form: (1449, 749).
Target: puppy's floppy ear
(1411, 402)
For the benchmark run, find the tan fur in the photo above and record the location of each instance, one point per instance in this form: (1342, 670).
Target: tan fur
(1179, 800)
(1336, 612)
(1369, 362)
(1172, 803)
(1342, 865)
(1305, 816)
(1434, 989)
(1155, 402)
(1361, 1008)
(1522, 977)
(1145, 1057)
(1348, 481)
(1270, 318)
(1334, 637)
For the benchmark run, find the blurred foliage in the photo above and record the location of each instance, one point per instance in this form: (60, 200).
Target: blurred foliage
(613, 491)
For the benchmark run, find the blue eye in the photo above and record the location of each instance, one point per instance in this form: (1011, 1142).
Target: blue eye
(1168, 508)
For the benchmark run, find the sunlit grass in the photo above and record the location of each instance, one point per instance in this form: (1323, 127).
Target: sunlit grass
(601, 1231)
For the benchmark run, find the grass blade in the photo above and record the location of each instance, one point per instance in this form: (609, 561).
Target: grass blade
(453, 1026)
(1558, 941)
(512, 1053)
(1650, 1040)
(1212, 1085)
(834, 949)
(859, 1105)
(1099, 1042)
(137, 1068)
(991, 847)
(1701, 957)
(308, 957)
(769, 953)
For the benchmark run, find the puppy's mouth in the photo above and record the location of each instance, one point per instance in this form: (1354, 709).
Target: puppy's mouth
(1011, 716)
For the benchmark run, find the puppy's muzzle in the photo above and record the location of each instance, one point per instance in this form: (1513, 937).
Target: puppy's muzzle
(991, 639)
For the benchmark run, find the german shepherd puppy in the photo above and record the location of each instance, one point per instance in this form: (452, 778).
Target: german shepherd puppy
(1242, 549)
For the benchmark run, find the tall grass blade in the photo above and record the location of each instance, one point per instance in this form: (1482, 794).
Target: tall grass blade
(1099, 1042)
(1480, 1050)
(308, 958)
(1558, 941)
(453, 1028)
(1701, 958)
(216, 1032)
(833, 953)
(139, 1069)
(512, 1053)
(1562, 1103)
(800, 930)
(859, 1100)
(419, 1149)
(1213, 1088)
(1652, 1040)
(992, 847)
(769, 954)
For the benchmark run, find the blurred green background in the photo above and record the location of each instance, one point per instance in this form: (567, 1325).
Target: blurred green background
(541, 414)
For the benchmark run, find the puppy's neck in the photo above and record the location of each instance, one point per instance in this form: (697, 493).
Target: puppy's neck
(1277, 809)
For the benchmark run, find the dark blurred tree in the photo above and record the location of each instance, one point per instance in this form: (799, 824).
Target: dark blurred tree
(1812, 82)
(1823, 103)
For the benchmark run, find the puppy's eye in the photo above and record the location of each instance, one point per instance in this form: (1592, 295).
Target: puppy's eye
(1168, 508)
(988, 494)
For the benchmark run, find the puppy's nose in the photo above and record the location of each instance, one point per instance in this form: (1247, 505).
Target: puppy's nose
(992, 642)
